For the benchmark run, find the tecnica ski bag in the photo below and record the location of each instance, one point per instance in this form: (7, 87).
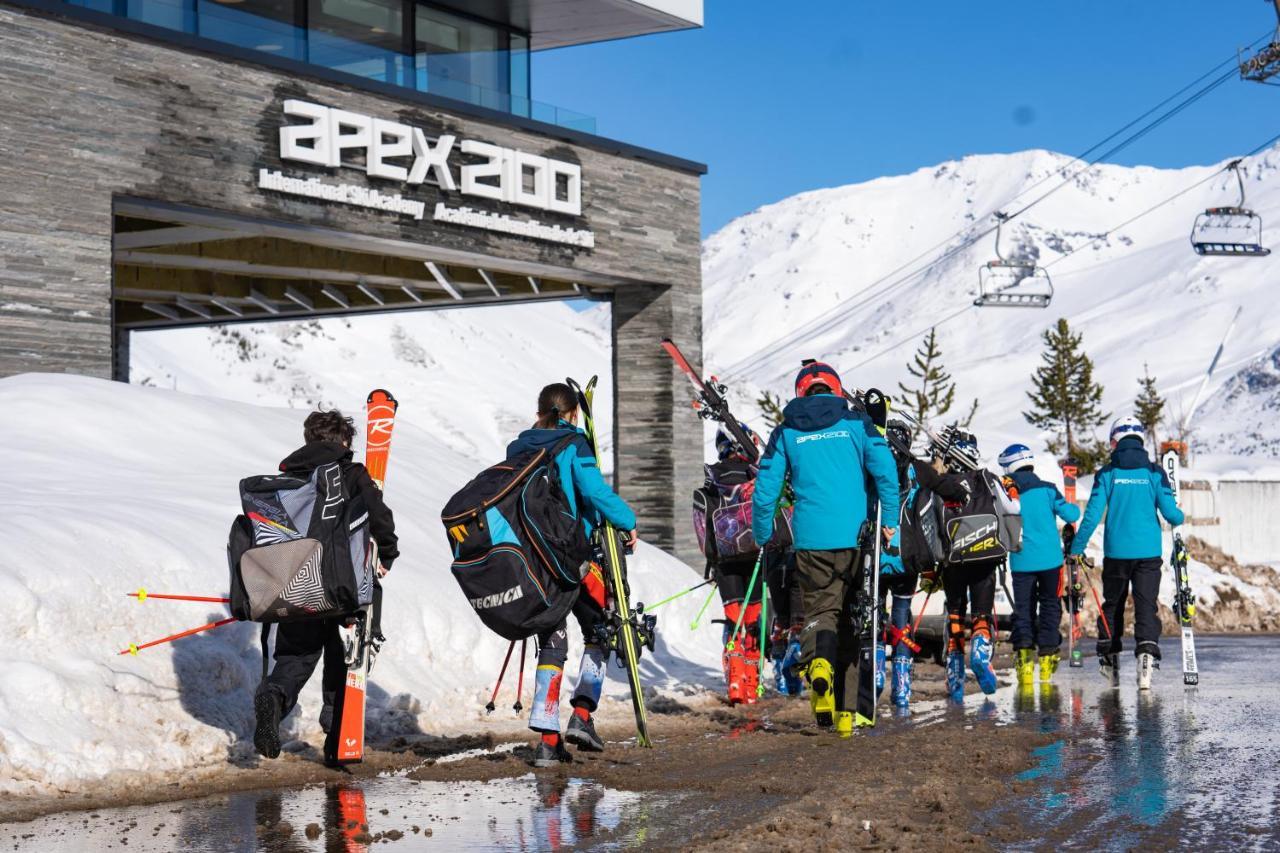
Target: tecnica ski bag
(722, 513)
(923, 527)
(987, 527)
(300, 550)
(519, 551)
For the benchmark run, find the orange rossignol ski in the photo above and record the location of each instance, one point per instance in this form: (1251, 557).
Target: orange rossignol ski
(381, 413)
(363, 639)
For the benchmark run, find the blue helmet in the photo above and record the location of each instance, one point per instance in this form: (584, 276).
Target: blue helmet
(1015, 456)
(727, 445)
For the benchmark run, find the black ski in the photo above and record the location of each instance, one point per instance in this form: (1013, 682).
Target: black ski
(712, 404)
(868, 621)
(628, 630)
(1073, 598)
(1184, 607)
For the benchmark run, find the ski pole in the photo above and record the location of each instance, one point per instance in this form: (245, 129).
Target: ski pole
(652, 607)
(502, 672)
(694, 625)
(919, 616)
(134, 648)
(751, 586)
(519, 706)
(764, 622)
(1102, 616)
(142, 595)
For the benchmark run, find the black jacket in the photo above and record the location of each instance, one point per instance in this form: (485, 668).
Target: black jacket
(954, 487)
(382, 526)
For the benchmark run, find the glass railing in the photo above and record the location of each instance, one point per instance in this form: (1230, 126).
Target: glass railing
(272, 32)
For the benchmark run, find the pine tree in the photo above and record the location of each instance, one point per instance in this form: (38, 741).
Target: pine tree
(770, 408)
(937, 391)
(1065, 398)
(1148, 406)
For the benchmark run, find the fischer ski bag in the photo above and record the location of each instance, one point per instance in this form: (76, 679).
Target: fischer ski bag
(988, 526)
(519, 551)
(722, 513)
(300, 550)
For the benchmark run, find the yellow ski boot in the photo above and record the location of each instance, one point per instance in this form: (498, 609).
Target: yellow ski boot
(844, 724)
(821, 696)
(1048, 666)
(1025, 666)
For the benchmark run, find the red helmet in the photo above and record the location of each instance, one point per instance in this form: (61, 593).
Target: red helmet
(817, 373)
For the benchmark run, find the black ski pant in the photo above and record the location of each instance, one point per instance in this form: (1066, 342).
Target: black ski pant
(1037, 610)
(785, 598)
(1118, 578)
(299, 647)
(970, 587)
(733, 577)
(829, 582)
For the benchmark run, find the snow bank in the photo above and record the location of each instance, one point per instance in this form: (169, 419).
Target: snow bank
(112, 487)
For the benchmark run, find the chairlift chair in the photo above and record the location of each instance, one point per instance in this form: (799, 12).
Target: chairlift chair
(1264, 65)
(1012, 282)
(1229, 231)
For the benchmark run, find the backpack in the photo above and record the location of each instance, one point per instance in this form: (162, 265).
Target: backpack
(722, 513)
(986, 527)
(519, 550)
(300, 550)
(922, 528)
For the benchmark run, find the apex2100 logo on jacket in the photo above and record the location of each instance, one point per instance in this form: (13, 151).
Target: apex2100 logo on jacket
(823, 436)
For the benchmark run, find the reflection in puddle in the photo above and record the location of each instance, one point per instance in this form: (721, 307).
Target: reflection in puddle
(531, 813)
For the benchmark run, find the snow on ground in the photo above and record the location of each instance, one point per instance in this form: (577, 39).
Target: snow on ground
(113, 486)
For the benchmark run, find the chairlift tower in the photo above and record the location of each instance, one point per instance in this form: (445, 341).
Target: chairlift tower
(1229, 231)
(1264, 65)
(1012, 282)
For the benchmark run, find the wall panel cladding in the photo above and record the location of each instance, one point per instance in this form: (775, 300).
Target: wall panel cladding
(87, 115)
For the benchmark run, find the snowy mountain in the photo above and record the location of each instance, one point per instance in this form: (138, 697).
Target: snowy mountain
(1242, 417)
(130, 486)
(1138, 293)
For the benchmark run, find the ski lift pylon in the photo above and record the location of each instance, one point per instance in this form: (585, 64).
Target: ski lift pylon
(1229, 231)
(1012, 283)
(1264, 65)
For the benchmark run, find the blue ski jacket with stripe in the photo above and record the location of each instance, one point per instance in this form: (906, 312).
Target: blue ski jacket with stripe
(580, 477)
(834, 458)
(1042, 506)
(891, 557)
(1132, 490)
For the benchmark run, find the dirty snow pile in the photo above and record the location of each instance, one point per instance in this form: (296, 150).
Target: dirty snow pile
(111, 487)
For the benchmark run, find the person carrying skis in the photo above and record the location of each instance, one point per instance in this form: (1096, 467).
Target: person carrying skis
(1037, 568)
(591, 499)
(1133, 492)
(300, 645)
(833, 459)
(725, 497)
(970, 585)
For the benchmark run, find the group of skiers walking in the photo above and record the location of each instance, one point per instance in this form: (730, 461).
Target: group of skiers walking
(793, 519)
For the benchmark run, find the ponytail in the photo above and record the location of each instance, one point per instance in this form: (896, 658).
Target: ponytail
(555, 401)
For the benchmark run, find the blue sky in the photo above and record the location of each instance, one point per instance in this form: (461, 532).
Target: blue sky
(781, 97)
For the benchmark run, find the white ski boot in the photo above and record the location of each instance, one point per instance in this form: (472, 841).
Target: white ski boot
(1146, 663)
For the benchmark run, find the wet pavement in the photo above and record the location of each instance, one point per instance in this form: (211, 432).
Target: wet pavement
(1190, 767)
(551, 813)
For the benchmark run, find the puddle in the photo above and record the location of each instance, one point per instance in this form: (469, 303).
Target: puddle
(529, 813)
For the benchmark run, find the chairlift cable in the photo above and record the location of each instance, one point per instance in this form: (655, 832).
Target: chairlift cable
(823, 324)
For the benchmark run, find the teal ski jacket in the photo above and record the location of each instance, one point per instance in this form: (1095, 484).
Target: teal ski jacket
(1042, 506)
(1132, 490)
(584, 486)
(834, 459)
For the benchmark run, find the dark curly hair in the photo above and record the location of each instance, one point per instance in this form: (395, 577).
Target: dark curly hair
(328, 426)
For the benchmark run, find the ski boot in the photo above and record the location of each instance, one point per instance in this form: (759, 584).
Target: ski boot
(581, 732)
(751, 665)
(791, 669)
(1049, 665)
(980, 659)
(551, 751)
(880, 664)
(901, 682)
(844, 724)
(821, 698)
(1146, 664)
(266, 732)
(955, 675)
(1025, 666)
(1109, 666)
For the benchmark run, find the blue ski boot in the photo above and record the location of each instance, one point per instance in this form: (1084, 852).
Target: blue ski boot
(980, 661)
(880, 679)
(955, 675)
(791, 668)
(901, 682)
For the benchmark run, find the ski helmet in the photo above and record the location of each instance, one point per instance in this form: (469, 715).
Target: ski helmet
(899, 437)
(1126, 426)
(818, 373)
(1015, 456)
(966, 444)
(727, 445)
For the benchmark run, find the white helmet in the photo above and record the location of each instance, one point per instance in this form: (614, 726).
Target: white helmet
(1016, 456)
(1125, 426)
